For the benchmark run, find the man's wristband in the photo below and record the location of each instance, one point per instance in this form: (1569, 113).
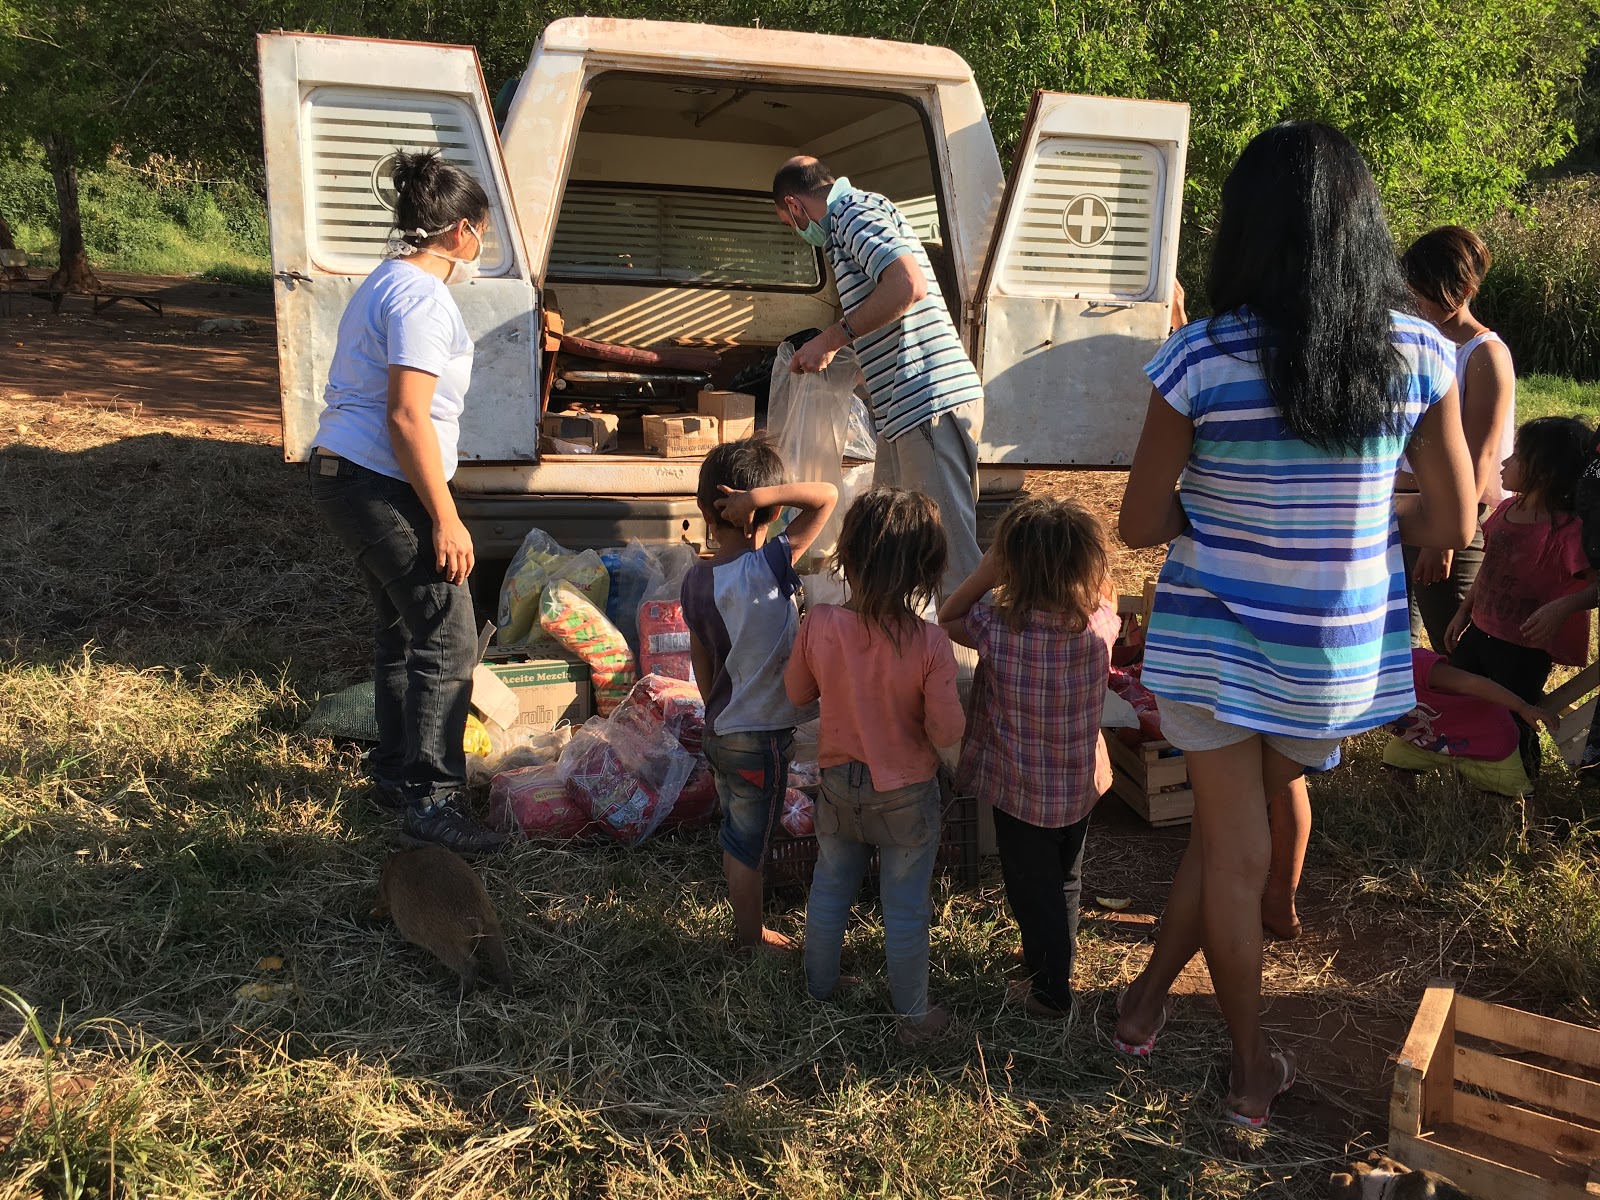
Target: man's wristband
(849, 334)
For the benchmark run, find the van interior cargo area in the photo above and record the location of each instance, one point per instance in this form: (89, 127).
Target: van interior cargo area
(667, 241)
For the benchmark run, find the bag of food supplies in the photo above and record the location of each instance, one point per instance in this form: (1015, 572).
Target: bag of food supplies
(627, 777)
(540, 561)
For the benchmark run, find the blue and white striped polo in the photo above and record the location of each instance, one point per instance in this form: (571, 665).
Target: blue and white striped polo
(916, 366)
(1283, 608)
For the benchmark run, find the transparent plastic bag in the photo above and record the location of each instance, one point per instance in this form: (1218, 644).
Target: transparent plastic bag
(860, 439)
(539, 561)
(626, 777)
(634, 573)
(534, 801)
(516, 749)
(808, 416)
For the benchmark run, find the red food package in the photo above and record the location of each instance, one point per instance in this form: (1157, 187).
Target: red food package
(535, 801)
(672, 704)
(1125, 683)
(698, 803)
(799, 813)
(664, 640)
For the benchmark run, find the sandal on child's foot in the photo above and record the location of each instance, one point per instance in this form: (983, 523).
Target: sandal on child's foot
(1286, 1078)
(1144, 1048)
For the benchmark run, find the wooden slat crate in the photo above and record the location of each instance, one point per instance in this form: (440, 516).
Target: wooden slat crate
(1152, 779)
(1504, 1103)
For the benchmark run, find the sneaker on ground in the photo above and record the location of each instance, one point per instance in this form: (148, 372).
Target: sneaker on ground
(390, 797)
(444, 825)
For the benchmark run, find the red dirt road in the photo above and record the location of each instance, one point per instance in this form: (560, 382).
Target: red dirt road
(128, 357)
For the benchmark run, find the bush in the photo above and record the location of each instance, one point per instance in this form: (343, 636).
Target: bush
(1543, 291)
(161, 221)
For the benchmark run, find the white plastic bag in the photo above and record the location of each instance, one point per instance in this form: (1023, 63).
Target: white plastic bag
(808, 416)
(861, 440)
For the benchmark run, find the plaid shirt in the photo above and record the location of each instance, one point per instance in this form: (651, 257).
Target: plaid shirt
(1034, 748)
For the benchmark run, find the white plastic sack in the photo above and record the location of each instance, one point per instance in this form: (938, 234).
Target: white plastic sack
(860, 440)
(808, 416)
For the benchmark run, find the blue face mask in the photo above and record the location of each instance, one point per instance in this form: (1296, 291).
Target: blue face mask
(814, 232)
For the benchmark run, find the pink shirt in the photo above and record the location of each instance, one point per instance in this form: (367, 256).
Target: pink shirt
(1447, 723)
(884, 707)
(1526, 567)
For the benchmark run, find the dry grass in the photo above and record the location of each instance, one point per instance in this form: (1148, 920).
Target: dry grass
(170, 608)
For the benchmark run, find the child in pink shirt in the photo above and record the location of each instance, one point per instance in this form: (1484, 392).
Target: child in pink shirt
(890, 715)
(1528, 606)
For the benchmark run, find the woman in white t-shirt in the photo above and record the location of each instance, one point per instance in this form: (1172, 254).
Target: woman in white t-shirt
(380, 475)
(1445, 268)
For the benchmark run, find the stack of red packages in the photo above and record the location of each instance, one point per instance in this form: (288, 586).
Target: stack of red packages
(664, 640)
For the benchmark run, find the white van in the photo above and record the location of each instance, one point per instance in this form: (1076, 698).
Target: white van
(631, 191)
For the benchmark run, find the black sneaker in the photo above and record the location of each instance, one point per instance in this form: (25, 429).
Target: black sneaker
(443, 825)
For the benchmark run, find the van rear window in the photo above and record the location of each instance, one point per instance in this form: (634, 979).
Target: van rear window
(679, 237)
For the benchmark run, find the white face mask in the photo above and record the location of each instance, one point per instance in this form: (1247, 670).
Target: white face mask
(461, 269)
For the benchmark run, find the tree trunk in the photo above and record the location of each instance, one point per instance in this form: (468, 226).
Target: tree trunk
(7, 242)
(73, 275)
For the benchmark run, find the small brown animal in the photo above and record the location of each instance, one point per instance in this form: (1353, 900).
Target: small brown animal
(439, 903)
(1381, 1178)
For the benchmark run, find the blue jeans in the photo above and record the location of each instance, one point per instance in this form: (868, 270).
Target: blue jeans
(426, 643)
(903, 824)
(752, 771)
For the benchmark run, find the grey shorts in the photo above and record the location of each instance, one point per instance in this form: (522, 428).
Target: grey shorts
(1191, 728)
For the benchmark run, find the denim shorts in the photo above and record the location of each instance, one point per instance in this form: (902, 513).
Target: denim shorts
(1191, 728)
(752, 773)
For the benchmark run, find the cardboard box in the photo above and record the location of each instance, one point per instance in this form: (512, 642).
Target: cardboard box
(679, 437)
(548, 691)
(578, 433)
(735, 413)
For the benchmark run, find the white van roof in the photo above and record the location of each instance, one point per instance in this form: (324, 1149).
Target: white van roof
(777, 49)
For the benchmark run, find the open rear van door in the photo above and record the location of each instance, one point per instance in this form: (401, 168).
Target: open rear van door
(334, 111)
(1077, 290)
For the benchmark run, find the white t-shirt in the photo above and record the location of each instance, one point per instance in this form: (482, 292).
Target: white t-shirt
(400, 316)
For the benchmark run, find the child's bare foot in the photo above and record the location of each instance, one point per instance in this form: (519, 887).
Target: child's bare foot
(1039, 1008)
(1279, 918)
(772, 942)
(916, 1030)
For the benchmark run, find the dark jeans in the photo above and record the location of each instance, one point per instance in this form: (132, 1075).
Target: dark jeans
(426, 643)
(1434, 605)
(1043, 873)
(1521, 670)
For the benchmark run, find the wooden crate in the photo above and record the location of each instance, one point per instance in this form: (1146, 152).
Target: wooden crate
(1504, 1103)
(1152, 779)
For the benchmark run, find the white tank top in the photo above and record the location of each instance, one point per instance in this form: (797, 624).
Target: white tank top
(1493, 493)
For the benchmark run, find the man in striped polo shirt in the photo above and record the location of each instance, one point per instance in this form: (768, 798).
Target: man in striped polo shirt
(927, 400)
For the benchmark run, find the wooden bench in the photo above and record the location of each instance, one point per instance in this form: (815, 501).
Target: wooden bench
(101, 300)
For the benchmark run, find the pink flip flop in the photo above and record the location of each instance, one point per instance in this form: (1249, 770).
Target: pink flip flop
(1287, 1074)
(1141, 1049)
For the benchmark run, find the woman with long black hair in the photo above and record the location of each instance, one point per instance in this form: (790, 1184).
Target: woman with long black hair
(1280, 622)
(380, 476)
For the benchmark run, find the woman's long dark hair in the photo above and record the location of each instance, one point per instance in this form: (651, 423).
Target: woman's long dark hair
(1303, 246)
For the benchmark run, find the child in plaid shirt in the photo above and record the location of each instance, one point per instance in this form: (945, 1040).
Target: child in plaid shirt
(1034, 750)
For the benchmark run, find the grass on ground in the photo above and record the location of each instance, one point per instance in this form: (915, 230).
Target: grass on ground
(169, 609)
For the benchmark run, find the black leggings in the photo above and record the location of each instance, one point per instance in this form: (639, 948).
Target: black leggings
(1521, 670)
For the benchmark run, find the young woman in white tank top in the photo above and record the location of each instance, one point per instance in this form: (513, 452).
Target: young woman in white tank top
(1445, 267)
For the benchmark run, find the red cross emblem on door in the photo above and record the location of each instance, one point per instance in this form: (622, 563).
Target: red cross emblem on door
(1086, 220)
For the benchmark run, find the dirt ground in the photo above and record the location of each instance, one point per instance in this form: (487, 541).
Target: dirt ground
(129, 358)
(1345, 1030)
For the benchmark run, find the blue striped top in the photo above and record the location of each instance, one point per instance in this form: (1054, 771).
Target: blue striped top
(916, 366)
(1282, 609)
